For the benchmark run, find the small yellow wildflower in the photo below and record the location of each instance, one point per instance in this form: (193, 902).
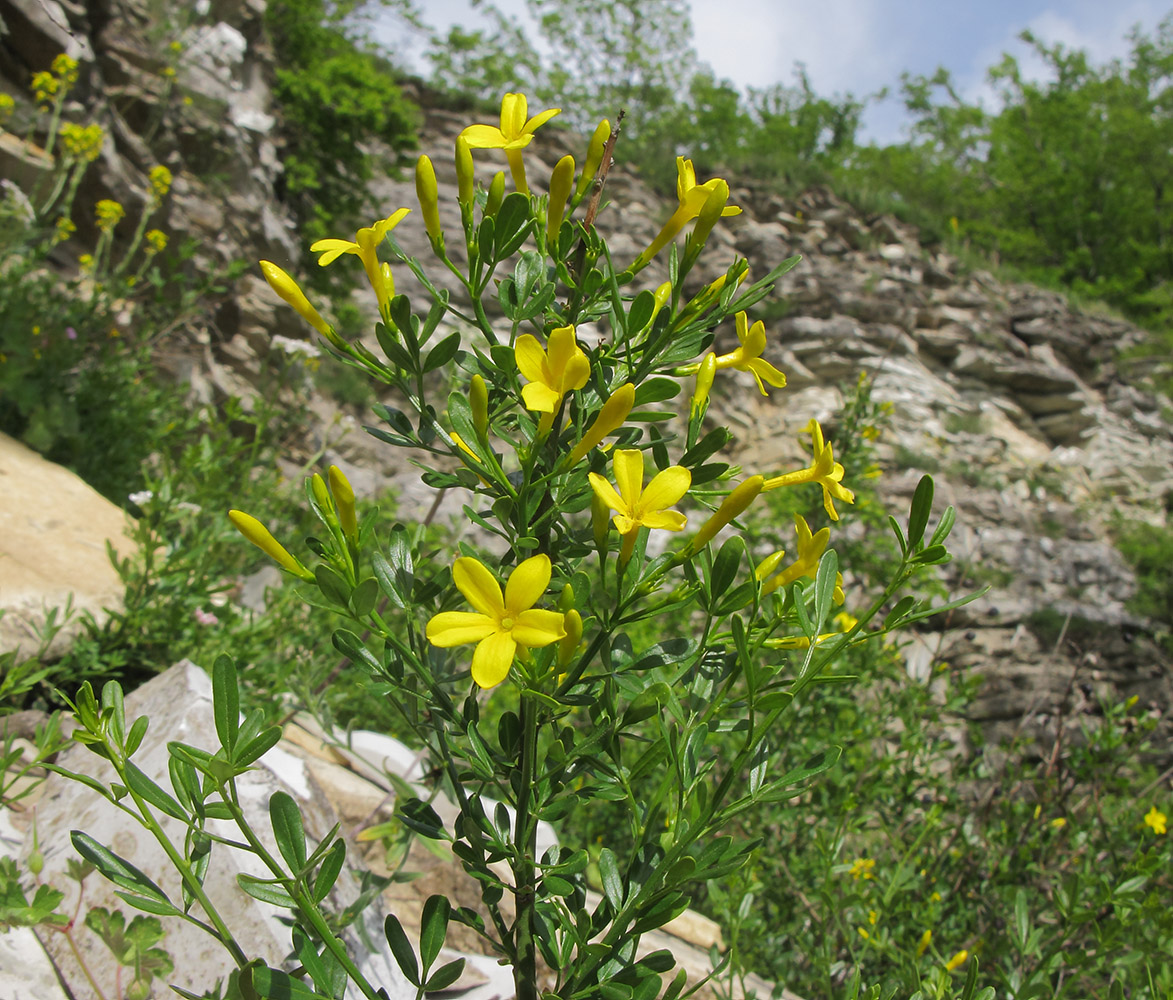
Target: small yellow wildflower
(873, 916)
(160, 178)
(824, 470)
(636, 506)
(691, 198)
(748, 357)
(514, 134)
(108, 214)
(65, 66)
(935, 897)
(925, 940)
(86, 262)
(1156, 820)
(811, 547)
(155, 240)
(845, 621)
(1058, 823)
(83, 141)
(551, 373)
(63, 228)
(863, 933)
(862, 868)
(957, 961)
(44, 86)
(501, 623)
(168, 73)
(7, 106)
(365, 245)
(176, 46)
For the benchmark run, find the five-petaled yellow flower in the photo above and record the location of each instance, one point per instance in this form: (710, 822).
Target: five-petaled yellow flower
(748, 357)
(636, 507)
(811, 547)
(1155, 820)
(691, 197)
(501, 624)
(513, 136)
(824, 470)
(561, 368)
(365, 245)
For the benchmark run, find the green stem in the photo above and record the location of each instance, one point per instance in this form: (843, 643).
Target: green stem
(525, 972)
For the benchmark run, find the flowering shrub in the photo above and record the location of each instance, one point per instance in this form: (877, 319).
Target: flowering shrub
(583, 481)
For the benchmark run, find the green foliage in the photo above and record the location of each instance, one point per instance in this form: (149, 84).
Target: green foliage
(1149, 550)
(335, 95)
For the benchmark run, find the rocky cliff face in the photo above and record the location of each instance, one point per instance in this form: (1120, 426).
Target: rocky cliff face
(1015, 401)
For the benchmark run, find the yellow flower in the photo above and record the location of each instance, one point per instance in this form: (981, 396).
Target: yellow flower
(748, 357)
(732, 506)
(824, 470)
(262, 538)
(44, 86)
(957, 961)
(291, 292)
(343, 494)
(7, 106)
(63, 229)
(705, 373)
(500, 624)
(65, 66)
(428, 193)
(561, 181)
(82, 141)
(862, 868)
(464, 172)
(810, 550)
(365, 245)
(1155, 819)
(513, 136)
(637, 507)
(160, 178)
(1058, 823)
(925, 940)
(552, 373)
(156, 241)
(86, 262)
(108, 214)
(691, 198)
(845, 621)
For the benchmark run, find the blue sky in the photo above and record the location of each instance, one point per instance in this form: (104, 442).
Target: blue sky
(860, 46)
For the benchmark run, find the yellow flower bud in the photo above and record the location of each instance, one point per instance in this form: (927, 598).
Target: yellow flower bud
(594, 158)
(478, 401)
(288, 290)
(344, 499)
(259, 535)
(662, 294)
(957, 961)
(464, 171)
(925, 939)
(568, 644)
(321, 494)
(732, 506)
(428, 193)
(611, 417)
(496, 194)
(566, 598)
(560, 182)
(704, 381)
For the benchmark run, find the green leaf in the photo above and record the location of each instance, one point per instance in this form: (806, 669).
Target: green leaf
(386, 577)
(144, 787)
(512, 225)
(225, 701)
(1021, 919)
(918, 514)
(273, 984)
(257, 747)
(444, 976)
(944, 526)
(138, 730)
(286, 819)
(417, 815)
(266, 891)
(825, 577)
(442, 353)
(118, 870)
(612, 882)
(656, 390)
(149, 905)
(725, 567)
(330, 870)
(433, 929)
(365, 596)
(401, 948)
(351, 646)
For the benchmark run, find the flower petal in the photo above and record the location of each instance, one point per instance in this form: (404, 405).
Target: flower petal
(766, 372)
(492, 659)
(454, 628)
(540, 119)
(666, 488)
(569, 365)
(526, 584)
(629, 476)
(484, 137)
(540, 397)
(606, 492)
(665, 520)
(478, 586)
(531, 359)
(514, 108)
(539, 628)
(755, 340)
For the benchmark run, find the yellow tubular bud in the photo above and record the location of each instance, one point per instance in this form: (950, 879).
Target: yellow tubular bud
(344, 500)
(662, 295)
(259, 535)
(769, 564)
(321, 494)
(566, 598)
(611, 417)
(478, 401)
(710, 213)
(704, 382)
(594, 158)
(496, 194)
(568, 644)
(388, 283)
(732, 506)
(464, 171)
(560, 183)
(287, 289)
(428, 193)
